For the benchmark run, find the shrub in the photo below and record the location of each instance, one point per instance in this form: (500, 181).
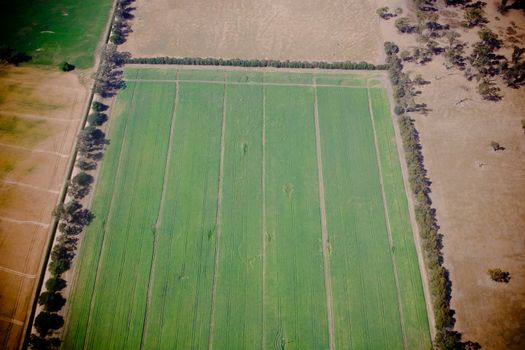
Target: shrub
(99, 106)
(39, 343)
(399, 110)
(97, 118)
(82, 179)
(473, 17)
(85, 164)
(58, 267)
(403, 25)
(498, 275)
(66, 67)
(46, 322)
(391, 48)
(52, 302)
(55, 284)
(489, 91)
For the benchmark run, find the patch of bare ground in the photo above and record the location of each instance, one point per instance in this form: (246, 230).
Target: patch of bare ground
(40, 112)
(477, 192)
(289, 29)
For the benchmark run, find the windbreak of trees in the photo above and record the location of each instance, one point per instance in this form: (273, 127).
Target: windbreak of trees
(236, 62)
(440, 285)
(121, 28)
(72, 218)
(109, 76)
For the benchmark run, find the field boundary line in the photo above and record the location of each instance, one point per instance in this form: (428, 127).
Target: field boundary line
(324, 227)
(159, 215)
(263, 214)
(24, 222)
(218, 222)
(387, 218)
(12, 321)
(32, 187)
(33, 150)
(222, 82)
(18, 273)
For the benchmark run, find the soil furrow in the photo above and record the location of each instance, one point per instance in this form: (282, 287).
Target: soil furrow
(218, 223)
(324, 229)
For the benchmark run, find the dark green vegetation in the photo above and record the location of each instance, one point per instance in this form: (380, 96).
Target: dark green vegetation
(53, 31)
(498, 275)
(236, 62)
(208, 220)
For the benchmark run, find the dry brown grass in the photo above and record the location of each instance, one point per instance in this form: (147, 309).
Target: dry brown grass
(40, 111)
(290, 29)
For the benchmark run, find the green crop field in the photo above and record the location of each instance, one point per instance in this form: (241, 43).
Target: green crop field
(53, 31)
(247, 209)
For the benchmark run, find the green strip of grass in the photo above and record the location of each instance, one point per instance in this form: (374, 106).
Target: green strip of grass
(179, 314)
(238, 314)
(295, 299)
(412, 298)
(365, 302)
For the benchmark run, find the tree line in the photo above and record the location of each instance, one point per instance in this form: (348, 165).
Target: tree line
(440, 285)
(237, 62)
(72, 217)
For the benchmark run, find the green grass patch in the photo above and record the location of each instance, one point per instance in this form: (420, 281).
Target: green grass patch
(55, 31)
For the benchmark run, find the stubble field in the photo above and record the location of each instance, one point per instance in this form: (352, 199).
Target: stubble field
(249, 209)
(305, 30)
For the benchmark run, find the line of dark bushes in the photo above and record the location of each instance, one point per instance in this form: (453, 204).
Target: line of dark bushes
(237, 62)
(72, 218)
(121, 28)
(440, 285)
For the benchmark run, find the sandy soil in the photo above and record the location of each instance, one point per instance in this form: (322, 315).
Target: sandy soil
(478, 193)
(289, 29)
(34, 168)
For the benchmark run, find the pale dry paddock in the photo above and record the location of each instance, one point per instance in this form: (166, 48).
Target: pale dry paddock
(32, 169)
(307, 30)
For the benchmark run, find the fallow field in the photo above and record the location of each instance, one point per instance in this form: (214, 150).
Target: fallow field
(249, 209)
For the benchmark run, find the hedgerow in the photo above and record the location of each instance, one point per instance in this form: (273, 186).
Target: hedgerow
(440, 285)
(236, 62)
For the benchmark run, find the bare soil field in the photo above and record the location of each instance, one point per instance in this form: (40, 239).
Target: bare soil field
(40, 113)
(290, 29)
(477, 192)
